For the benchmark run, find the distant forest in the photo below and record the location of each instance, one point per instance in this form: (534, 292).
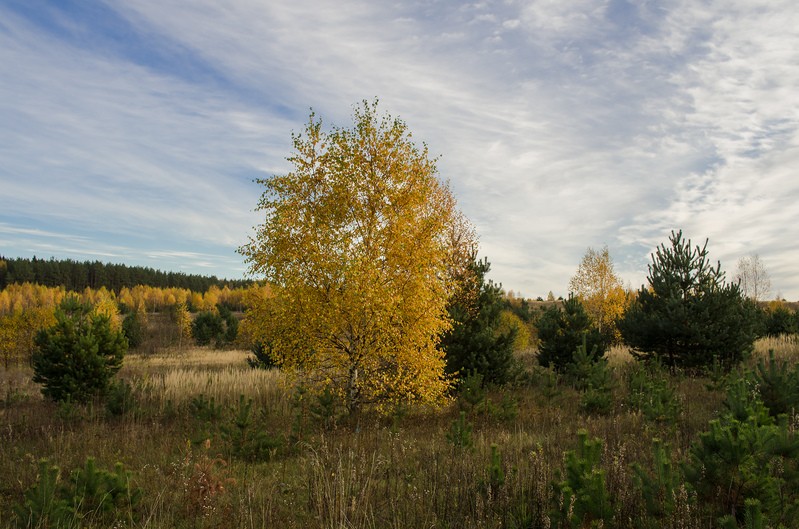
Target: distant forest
(75, 275)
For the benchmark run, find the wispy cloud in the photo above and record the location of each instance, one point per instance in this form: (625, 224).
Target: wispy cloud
(561, 125)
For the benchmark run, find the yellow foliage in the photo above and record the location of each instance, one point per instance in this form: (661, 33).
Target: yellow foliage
(18, 330)
(19, 297)
(600, 290)
(507, 321)
(357, 247)
(105, 304)
(182, 319)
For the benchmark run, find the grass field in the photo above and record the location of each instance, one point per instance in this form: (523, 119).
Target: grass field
(203, 457)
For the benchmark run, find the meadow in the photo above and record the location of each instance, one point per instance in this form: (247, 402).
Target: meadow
(207, 441)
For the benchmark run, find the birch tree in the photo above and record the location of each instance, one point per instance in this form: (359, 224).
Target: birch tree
(357, 247)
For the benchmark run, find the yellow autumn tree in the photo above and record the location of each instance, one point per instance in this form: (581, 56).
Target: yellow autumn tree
(601, 291)
(18, 330)
(105, 304)
(357, 248)
(182, 320)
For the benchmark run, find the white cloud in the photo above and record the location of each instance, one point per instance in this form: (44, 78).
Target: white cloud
(561, 125)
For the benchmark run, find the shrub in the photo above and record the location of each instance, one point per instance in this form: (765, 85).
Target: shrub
(459, 434)
(133, 329)
(120, 399)
(651, 393)
(89, 494)
(231, 323)
(658, 487)
(77, 357)
(781, 320)
(581, 498)
(592, 376)
(562, 331)
(245, 439)
(220, 327)
(777, 384)
(689, 316)
(740, 459)
(207, 327)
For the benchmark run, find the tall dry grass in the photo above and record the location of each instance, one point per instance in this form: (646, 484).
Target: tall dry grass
(785, 347)
(180, 384)
(377, 473)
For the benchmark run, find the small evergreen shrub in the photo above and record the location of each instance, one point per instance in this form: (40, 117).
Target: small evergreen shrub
(471, 393)
(659, 486)
(219, 327)
(120, 399)
(508, 409)
(689, 316)
(752, 519)
(205, 409)
(77, 357)
(459, 434)
(479, 341)
(781, 320)
(325, 410)
(591, 375)
(133, 328)
(231, 324)
(651, 393)
(740, 459)
(777, 383)
(45, 504)
(90, 494)
(244, 438)
(581, 498)
(208, 327)
(496, 474)
(562, 331)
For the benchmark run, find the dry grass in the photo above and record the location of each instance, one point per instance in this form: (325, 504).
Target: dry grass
(381, 473)
(195, 357)
(181, 384)
(618, 355)
(785, 347)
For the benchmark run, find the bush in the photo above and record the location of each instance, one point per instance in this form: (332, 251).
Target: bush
(660, 485)
(133, 329)
(747, 455)
(207, 327)
(781, 320)
(220, 327)
(593, 378)
(651, 393)
(120, 399)
(77, 357)
(581, 498)
(689, 316)
(90, 494)
(562, 331)
(776, 384)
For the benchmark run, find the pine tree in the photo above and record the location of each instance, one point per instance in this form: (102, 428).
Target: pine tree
(76, 358)
(476, 343)
(689, 316)
(562, 331)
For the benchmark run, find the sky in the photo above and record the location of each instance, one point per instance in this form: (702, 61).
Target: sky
(132, 132)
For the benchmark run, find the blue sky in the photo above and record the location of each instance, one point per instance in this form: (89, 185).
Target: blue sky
(132, 131)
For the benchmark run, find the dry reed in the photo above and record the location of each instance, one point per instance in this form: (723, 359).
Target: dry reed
(180, 384)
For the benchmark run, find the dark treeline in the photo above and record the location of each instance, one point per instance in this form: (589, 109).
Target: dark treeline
(75, 275)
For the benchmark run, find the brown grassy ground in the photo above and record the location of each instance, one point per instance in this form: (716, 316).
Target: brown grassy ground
(398, 471)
